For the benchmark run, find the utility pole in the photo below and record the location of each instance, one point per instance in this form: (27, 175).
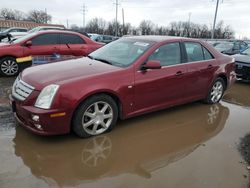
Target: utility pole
(46, 19)
(67, 21)
(189, 20)
(116, 23)
(83, 14)
(123, 22)
(215, 17)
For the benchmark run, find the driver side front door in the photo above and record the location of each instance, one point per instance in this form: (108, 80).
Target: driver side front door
(159, 88)
(44, 44)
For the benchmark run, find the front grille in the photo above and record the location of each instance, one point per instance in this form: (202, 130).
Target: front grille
(21, 90)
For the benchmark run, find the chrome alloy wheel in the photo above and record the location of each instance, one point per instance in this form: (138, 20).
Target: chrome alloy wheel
(97, 118)
(9, 67)
(217, 92)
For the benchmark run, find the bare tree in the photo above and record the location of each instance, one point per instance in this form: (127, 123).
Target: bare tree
(10, 14)
(127, 29)
(96, 25)
(39, 16)
(7, 14)
(146, 27)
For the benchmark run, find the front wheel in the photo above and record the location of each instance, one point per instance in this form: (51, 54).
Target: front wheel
(98, 114)
(216, 92)
(8, 66)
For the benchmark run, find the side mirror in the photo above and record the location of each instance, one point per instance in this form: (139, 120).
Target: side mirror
(28, 43)
(152, 64)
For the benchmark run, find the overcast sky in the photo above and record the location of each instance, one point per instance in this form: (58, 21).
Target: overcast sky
(234, 12)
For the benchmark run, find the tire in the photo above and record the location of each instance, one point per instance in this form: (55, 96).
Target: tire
(9, 67)
(96, 115)
(216, 91)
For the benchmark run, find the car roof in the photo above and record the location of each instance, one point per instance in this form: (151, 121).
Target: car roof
(158, 38)
(49, 27)
(59, 31)
(17, 28)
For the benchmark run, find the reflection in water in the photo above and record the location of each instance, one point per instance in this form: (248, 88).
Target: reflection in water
(139, 145)
(96, 151)
(5, 89)
(239, 94)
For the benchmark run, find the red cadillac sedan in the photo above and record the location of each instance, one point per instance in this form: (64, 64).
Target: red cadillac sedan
(43, 43)
(126, 78)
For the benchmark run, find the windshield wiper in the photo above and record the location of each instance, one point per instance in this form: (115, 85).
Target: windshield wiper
(102, 60)
(105, 61)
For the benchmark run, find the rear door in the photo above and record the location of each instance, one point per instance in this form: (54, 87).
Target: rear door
(161, 87)
(201, 66)
(72, 44)
(44, 44)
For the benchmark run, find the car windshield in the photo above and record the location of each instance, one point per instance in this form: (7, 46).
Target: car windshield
(34, 30)
(23, 38)
(247, 51)
(122, 52)
(224, 46)
(94, 37)
(6, 30)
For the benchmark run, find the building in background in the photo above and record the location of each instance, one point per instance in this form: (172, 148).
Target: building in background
(4, 24)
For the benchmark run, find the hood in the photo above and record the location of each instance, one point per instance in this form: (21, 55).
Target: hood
(61, 72)
(5, 45)
(242, 58)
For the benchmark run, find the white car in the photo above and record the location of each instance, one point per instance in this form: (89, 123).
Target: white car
(44, 28)
(15, 31)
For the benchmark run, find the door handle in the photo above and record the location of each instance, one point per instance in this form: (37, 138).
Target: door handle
(179, 73)
(209, 66)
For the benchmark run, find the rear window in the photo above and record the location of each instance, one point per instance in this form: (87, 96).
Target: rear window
(196, 52)
(207, 54)
(71, 39)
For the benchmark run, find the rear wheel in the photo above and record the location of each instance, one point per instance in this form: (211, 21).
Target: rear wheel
(96, 115)
(8, 66)
(216, 92)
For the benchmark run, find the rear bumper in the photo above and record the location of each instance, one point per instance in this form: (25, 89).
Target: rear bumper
(49, 125)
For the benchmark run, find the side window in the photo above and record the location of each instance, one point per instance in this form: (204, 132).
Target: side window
(168, 54)
(45, 39)
(236, 46)
(22, 30)
(13, 30)
(207, 54)
(243, 46)
(71, 39)
(194, 51)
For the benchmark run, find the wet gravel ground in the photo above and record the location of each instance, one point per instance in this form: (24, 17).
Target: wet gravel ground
(244, 148)
(193, 146)
(7, 121)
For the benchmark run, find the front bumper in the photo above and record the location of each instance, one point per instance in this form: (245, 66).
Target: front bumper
(49, 125)
(243, 71)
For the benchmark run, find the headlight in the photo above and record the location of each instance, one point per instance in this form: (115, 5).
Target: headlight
(46, 97)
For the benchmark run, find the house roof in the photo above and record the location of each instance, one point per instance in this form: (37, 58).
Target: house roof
(24, 24)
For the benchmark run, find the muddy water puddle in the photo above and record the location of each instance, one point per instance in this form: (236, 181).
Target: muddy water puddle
(193, 145)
